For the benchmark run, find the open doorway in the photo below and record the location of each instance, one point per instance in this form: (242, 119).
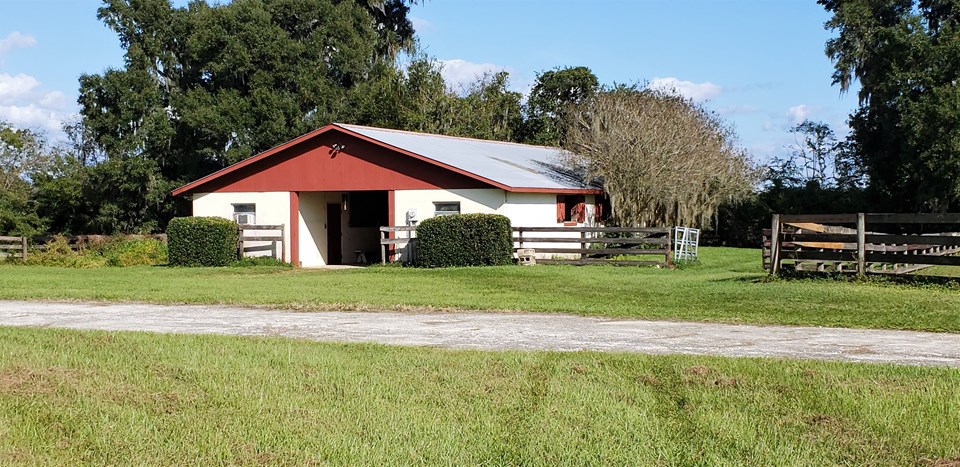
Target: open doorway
(341, 227)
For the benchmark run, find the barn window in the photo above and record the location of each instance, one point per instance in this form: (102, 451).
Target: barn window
(245, 213)
(570, 208)
(446, 208)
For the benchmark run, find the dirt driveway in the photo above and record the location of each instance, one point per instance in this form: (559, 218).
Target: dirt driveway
(498, 331)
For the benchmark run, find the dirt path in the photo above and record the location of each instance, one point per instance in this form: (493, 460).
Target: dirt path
(501, 331)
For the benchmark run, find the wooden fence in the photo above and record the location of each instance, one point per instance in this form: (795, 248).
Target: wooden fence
(395, 240)
(591, 245)
(20, 247)
(257, 241)
(560, 245)
(828, 243)
(16, 247)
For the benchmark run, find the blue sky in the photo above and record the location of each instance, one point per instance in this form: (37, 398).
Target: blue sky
(758, 63)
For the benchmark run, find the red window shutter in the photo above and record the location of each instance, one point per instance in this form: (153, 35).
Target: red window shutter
(581, 210)
(598, 210)
(561, 208)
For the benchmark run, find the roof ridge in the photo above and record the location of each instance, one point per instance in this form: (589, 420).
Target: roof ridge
(437, 135)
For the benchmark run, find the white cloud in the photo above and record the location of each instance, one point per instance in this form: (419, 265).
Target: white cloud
(15, 40)
(798, 113)
(32, 116)
(54, 100)
(697, 92)
(23, 101)
(739, 109)
(14, 88)
(23, 106)
(459, 73)
(420, 24)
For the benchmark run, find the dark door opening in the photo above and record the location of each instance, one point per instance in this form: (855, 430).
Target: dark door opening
(334, 235)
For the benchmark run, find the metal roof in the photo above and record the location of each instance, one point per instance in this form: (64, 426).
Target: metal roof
(511, 164)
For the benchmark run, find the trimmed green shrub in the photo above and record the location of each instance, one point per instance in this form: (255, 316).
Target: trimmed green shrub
(464, 240)
(202, 241)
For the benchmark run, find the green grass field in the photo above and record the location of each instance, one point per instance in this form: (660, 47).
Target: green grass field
(72, 397)
(728, 286)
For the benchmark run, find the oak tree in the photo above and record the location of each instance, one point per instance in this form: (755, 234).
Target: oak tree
(662, 159)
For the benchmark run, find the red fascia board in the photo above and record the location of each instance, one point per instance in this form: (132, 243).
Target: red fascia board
(269, 152)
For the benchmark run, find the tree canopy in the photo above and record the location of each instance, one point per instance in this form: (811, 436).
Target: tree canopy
(554, 92)
(906, 132)
(204, 86)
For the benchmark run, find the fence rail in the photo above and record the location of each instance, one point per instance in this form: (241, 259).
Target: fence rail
(809, 243)
(591, 247)
(274, 242)
(586, 247)
(392, 245)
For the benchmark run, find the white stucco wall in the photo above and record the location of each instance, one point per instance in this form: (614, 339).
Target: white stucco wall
(272, 208)
(523, 209)
(540, 210)
(473, 201)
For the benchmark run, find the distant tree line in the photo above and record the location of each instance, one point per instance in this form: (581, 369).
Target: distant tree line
(903, 152)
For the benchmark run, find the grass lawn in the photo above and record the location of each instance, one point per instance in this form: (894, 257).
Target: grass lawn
(728, 286)
(73, 397)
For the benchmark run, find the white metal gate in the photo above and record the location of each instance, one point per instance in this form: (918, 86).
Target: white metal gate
(686, 242)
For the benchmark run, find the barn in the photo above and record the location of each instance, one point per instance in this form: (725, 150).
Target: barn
(333, 188)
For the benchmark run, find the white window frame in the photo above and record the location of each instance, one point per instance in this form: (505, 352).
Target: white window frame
(245, 211)
(438, 212)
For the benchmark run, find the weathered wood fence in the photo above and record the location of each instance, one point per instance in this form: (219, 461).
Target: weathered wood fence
(394, 241)
(16, 247)
(560, 245)
(255, 238)
(827, 242)
(591, 245)
(19, 247)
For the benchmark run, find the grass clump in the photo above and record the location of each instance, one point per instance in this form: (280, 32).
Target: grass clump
(119, 251)
(81, 397)
(135, 252)
(260, 261)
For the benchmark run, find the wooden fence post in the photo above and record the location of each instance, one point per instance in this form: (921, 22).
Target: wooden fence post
(283, 243)
(775, 245)
(583, 245)
(240, 242)
(668, 261)
(23, 245)
(383, 247)
(861, 244)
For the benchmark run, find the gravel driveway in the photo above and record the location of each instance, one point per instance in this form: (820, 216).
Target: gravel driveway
(497, 331)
